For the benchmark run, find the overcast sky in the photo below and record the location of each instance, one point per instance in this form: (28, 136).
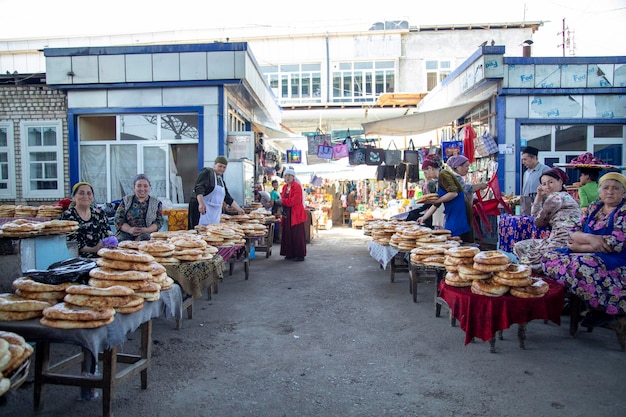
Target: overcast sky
(599, 25)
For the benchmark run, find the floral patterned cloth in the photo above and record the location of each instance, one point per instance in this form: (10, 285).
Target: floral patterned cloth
(586, 273)
(561, 212)
(91, 231)
(513, 229)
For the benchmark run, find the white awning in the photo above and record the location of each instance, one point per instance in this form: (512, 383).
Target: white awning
(421, 122)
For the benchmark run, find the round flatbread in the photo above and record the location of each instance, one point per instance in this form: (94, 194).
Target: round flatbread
(63, 311)
(29, 284)
(129, 310)
(96, 301)
(124, 265)
(19, 315)
(51, 297)
(13, 302)
(117, 275)
(128, 255)
(76, 324)
(103, 283)
(107, 291)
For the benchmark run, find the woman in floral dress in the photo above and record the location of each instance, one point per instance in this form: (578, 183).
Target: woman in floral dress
(552, 206)
(93, 225)
(594, 264)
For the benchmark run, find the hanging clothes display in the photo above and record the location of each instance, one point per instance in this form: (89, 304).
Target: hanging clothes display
(468, 134)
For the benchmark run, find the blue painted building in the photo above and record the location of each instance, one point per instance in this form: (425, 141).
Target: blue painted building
(164, 110)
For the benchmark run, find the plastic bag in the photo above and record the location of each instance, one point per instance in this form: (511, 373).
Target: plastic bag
(69, 270)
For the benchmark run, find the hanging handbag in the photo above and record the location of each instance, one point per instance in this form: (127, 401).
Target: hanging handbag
(413, 173)
(325, 151)
(392, 156)
(341, 150)
(313, 141)
(411, 155)
(390, 172)
(294, 156)
(400, 171)
(356, 156)
(374, 156)
(380, 173)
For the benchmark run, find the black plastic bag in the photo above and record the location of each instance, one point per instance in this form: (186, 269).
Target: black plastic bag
(70, 270)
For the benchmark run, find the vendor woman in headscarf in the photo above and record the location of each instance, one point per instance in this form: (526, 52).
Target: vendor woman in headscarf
(456, 197)
(209, 193)
(594, 264)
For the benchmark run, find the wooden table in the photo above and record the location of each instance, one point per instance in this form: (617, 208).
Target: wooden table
(482, 316)
(100, 344)
(265, 243)
(417, 269)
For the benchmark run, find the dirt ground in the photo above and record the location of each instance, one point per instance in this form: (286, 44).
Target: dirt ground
(332, 336)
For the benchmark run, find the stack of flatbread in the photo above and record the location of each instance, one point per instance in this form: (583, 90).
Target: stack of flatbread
(131, 269)
(253, 228)
(14, 351)
(14, 308)
(7, 210)
(188, 248)
(25, 211)
(27, 287)
(382, 231)
(161, 250)
(49, 212)
(87, 307)
(223, 234)
(21, 228)
(428, 255)
(54, 227)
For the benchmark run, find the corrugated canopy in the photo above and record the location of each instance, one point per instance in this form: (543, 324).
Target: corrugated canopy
(420, 122)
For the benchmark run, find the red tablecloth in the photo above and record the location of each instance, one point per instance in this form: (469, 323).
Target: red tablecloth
(482, 316)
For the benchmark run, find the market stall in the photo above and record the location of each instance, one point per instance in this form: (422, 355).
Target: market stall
(482, 316)
(104, 340)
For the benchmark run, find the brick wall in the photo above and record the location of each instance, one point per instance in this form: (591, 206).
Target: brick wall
(31, 102)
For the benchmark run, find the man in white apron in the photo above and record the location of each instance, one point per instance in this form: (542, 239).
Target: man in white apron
(209, 193)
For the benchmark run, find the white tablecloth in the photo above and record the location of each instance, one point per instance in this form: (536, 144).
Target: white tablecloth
(383, 254)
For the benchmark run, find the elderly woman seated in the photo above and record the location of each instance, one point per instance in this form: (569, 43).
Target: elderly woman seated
(594, 264)
(552, 206)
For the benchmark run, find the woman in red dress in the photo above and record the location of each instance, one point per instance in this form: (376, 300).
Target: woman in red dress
(293, 239)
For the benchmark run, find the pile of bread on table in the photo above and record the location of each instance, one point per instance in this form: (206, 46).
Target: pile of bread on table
(122, 282)
(490, 273)
(25, 223)
(408, 236)
(124, 279)
(14, 351)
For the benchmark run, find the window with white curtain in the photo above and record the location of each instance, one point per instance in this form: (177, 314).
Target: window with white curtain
(7, 161)
(42, 159)
(115, 148)
(93, 169)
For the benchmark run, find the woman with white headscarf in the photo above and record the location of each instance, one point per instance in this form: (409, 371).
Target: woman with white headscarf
(293, 239)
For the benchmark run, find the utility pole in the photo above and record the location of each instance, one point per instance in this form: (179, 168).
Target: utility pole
(567, 41)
